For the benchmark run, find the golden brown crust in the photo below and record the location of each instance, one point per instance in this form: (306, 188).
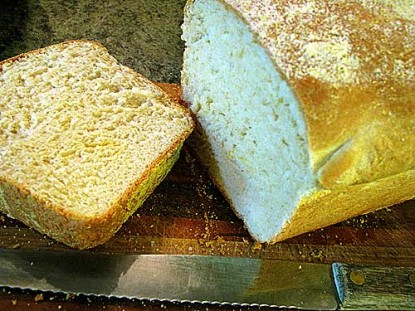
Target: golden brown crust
(328, 207)
(174, 92)
(351, 65)
(82, 230)
(74, 229)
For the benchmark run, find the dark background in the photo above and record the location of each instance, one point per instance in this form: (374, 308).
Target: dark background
(144, 35)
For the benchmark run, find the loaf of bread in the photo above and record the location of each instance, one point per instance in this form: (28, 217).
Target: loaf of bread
(83, 141)
(305, 109)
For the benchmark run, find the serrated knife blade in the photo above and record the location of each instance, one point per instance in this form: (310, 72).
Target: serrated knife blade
(210, 279)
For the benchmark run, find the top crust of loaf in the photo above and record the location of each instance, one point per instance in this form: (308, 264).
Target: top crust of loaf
(351, 65)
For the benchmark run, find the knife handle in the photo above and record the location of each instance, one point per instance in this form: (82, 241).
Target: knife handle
(361, 287)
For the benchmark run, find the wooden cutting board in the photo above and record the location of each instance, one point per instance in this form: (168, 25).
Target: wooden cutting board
(188, 215)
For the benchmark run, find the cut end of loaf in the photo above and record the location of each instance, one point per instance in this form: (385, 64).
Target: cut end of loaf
(252, 136)
(79, 131)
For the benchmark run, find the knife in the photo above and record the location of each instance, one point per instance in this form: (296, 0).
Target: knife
(211, 279)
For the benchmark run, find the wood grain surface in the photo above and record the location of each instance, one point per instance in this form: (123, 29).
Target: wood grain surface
(188, 215)
(363, 287)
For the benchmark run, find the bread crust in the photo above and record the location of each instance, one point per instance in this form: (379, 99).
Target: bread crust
(331, 206)
(351, 65)
(80, 230)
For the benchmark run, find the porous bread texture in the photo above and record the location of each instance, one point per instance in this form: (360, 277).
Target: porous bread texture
(303, 118)
(83, 141)
(250, 117)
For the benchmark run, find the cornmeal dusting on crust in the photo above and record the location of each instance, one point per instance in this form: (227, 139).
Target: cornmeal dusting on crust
(352, 66)
(404, 8)
(304, 108)
(327, 45)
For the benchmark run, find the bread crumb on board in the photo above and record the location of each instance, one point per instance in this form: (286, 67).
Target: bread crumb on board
(39, 297)
(257, 247)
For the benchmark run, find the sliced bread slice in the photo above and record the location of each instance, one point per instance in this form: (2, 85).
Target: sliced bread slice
(304, 108)
(84, 140)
